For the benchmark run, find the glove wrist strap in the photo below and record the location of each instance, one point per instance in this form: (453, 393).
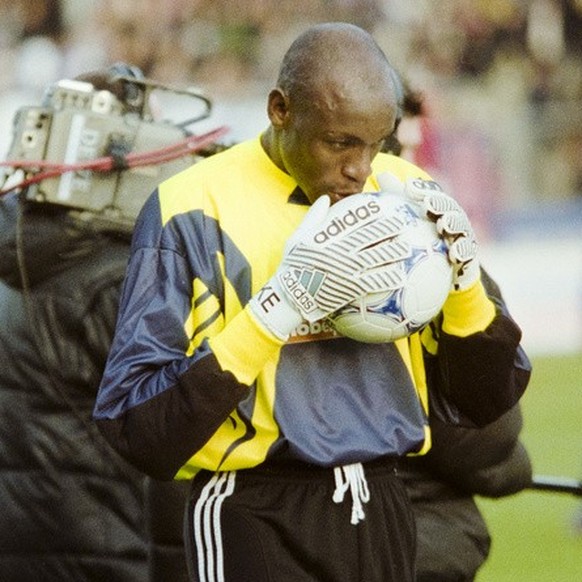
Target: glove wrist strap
(273, 310)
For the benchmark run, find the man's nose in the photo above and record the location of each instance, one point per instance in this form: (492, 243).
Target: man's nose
(359, 165)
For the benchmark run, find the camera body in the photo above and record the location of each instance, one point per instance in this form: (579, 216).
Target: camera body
(78, 123)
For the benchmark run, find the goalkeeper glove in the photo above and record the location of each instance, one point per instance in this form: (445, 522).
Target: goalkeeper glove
(335, 256)
(451, 221)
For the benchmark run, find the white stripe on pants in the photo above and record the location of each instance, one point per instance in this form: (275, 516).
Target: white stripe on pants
(207, 530)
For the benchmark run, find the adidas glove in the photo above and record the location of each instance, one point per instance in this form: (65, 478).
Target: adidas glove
(335, 256)
(451, 221)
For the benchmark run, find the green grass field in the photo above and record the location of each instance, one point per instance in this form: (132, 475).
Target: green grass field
(533, 539)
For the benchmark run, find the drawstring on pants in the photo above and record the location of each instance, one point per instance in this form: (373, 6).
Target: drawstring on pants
(352, 477)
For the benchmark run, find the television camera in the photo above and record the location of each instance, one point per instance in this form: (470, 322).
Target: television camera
(102, 152)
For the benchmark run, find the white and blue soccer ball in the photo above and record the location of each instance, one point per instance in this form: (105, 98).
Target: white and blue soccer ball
(428, 274)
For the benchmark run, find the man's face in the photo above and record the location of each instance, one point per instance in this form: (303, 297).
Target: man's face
(328, 144)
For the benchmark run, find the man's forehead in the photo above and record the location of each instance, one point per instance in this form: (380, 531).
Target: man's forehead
(348, 112)
(344, 86)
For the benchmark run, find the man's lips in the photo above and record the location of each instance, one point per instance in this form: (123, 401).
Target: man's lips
(337, 196)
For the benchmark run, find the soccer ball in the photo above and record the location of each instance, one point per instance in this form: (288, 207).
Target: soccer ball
(388, 316)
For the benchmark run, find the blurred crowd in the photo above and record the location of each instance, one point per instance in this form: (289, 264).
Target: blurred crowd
(502, 79)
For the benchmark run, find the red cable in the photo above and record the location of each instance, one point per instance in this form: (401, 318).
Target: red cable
(187, 146)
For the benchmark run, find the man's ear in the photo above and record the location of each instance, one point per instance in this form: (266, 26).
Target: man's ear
(278, 108)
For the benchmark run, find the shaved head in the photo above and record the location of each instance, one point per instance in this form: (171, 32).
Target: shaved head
(336, 54)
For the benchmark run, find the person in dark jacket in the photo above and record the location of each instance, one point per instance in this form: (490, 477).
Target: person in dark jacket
(72, 510)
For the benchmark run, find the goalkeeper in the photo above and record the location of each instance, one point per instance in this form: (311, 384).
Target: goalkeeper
(224, 372)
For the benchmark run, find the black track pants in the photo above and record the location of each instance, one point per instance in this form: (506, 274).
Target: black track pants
(282, 525)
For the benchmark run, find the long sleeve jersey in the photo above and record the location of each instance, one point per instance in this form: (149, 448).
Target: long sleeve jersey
(193, 381)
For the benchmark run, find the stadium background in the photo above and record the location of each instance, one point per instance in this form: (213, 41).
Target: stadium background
(502, 81)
